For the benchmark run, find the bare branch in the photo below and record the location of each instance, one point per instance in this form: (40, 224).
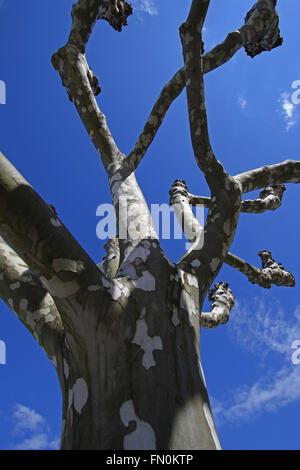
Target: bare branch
(269, 199)
(85, 13)
(223, 301)
(271, 272)
(251, 35)
(211, 243)
(79, 80)
(168, 94)
(191, 39)
(179, 200)
(23, 292)
(224, 211)
(269, 175)
(82, 85)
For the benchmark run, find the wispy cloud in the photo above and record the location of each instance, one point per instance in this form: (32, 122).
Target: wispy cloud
(146, 6)
(31, 430)
(241, 102)
(26, 419)
(287, 110)
(262, 329)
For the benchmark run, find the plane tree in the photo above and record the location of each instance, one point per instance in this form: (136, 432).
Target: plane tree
(124, 335)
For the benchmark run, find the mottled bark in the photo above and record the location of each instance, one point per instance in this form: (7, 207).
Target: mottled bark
(223, 301)
(270, 273)
(124, 335)
(24, 293)
(269, 199)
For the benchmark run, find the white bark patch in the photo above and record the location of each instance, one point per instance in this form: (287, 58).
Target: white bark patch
(114, 288)
(211, 425)
(55, 222)
(192, 280)
(138, 252)
(195, 263)
(13, 261)
(214, 263)
(175, 319)
(61, 264)
(15, 285)
(187, 304)
(32, 318)
(93, 288)
(59, 288)
(143, 438)
(78, 395)
(66, 369)
(146, 282)
(226, 227)
(148, 344)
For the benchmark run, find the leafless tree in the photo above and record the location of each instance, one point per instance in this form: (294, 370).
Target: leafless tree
(124, 335)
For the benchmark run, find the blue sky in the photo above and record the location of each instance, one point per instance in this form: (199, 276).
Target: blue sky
(253, 383)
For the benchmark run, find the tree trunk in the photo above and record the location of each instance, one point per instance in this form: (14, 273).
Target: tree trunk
(135, 381)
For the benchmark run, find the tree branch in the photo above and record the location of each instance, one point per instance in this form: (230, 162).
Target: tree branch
(209, 244)
(133, 217)
(223, 214)
(81, 83)
(168, 94)
(223, 301)
(269, 199)
(23, 292)
(271, 272)
(250, 33)
(287, 171)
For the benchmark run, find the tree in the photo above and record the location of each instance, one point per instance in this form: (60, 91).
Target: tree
(124, 336)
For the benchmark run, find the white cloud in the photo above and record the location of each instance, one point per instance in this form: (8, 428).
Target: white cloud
(263, 396)
(262, 329)
(32, 429)
(38, 442)
(147, 6)
(288, 110)
(26, 419)
(242, 102)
